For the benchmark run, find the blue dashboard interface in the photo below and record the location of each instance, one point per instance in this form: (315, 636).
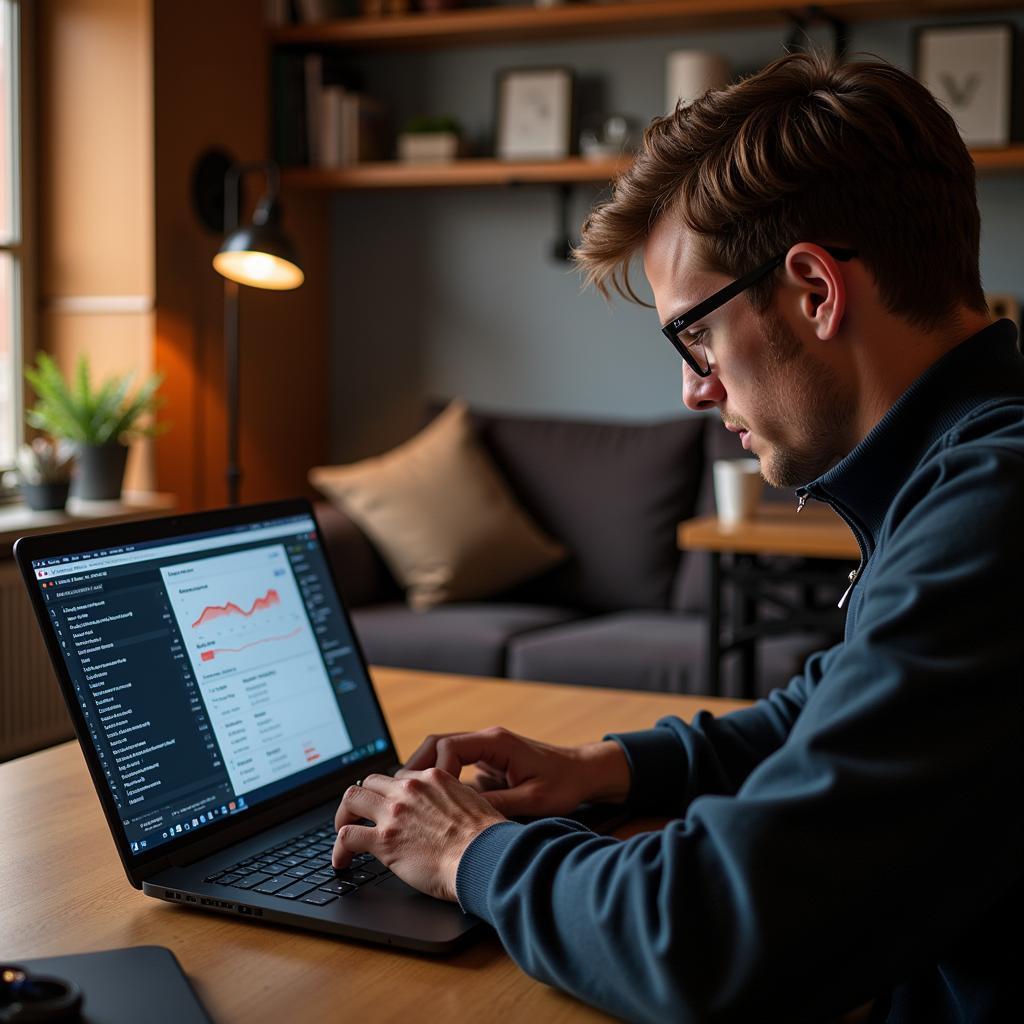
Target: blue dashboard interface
(214, 671)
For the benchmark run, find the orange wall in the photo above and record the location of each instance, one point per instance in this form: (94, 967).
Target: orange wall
(130, 93)
(93, 72)
(211, 75)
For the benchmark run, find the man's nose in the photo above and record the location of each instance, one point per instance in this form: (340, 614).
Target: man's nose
(701, 393)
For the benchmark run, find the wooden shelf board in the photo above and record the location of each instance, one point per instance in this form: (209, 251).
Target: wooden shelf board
(472, 26)
(469, 173)
(1009, 159)
(459, 173)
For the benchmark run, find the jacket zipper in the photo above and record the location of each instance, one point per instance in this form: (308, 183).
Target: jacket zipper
(802, 495)
(853, 579)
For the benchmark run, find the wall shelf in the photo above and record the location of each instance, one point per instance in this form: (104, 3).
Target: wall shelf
(505, 24)
(468, 173)
(459, 173)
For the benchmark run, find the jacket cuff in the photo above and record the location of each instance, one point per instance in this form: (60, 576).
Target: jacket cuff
(657, 761)
(478, 863)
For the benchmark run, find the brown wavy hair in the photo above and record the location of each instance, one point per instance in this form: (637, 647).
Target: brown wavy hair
(808, 149)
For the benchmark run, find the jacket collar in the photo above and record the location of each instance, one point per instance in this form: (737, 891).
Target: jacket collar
(863, 485)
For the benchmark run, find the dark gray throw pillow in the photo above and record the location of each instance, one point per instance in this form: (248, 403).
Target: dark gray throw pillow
(613, 493)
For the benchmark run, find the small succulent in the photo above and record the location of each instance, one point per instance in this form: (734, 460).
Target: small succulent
(44, 462)
(430, 124)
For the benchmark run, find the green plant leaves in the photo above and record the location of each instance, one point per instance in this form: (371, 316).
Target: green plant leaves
(80, 414)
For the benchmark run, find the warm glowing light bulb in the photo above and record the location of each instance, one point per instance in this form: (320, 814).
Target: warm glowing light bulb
(258, 270)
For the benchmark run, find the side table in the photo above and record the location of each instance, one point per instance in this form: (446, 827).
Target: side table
(740, 557)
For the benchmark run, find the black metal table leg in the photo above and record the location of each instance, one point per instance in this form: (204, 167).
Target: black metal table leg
(714, 649)
(744, 617)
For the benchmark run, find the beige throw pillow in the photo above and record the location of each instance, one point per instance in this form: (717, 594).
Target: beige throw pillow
(441, 515)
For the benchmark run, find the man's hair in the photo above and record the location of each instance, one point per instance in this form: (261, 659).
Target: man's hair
(809, 149)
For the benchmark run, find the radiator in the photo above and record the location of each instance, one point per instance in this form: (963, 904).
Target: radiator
(32, 711)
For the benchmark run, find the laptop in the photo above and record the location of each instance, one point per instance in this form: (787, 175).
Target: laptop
(223, 705)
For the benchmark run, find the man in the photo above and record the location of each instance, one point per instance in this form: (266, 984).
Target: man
(811, 239)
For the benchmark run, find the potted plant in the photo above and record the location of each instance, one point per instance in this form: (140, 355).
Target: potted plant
(44, 474)
(430, 140)
(98, 423)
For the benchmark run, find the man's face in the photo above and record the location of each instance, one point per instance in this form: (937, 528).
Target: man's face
(789, 408)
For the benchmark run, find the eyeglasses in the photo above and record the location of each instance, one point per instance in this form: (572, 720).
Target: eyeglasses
(691, 347)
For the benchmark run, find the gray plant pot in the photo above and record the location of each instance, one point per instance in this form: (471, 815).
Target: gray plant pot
(99, 471)
(44, 497)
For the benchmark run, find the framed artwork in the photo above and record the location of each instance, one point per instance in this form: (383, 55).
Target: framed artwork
(969, 68)
(534, 114)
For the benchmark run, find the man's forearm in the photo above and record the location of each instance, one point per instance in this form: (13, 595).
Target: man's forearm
(607, 772)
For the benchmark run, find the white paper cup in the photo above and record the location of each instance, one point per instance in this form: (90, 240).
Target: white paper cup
(691, 73)
(738, 486)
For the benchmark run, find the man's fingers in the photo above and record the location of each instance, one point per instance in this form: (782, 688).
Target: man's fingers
(358, 802)
(489, 747)
(352, 839)
(520, 800)
(423, 756)
(453, 751)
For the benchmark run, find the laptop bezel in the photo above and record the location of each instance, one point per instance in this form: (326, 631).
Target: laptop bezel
(293, 802)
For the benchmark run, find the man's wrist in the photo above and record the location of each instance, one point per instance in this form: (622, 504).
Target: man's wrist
(607, 772)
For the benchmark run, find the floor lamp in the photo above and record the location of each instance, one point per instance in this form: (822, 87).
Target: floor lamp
(259, 255)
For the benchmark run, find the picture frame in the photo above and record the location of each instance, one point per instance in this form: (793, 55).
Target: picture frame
(534, 113)
(969, 68)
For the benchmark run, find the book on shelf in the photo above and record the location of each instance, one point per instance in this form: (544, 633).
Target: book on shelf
(278, 13)
(352, 128)
(321, 117)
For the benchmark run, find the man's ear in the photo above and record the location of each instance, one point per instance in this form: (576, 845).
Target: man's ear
(819, 287)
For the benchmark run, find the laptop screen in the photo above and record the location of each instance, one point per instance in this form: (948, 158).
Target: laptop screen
(214, 671)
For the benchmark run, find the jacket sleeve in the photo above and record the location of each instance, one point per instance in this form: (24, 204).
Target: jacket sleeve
(673, 763)
(884, 826)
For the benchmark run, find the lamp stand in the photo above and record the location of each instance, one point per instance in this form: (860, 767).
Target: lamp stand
(233, 474)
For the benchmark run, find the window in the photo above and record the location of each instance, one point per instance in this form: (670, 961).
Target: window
(11, 241)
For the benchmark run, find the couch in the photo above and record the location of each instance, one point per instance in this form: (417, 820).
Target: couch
(626, 610)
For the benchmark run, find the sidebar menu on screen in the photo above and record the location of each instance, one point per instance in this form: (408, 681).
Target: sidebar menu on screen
(139, 698)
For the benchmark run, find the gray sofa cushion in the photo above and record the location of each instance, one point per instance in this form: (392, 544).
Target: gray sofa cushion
(652, 650)
(470, 638)
(612, 492)
(661, 651)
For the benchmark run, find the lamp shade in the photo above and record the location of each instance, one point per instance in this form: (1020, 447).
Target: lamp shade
(259, 254)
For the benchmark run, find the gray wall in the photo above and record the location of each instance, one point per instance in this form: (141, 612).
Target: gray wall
(453, 292)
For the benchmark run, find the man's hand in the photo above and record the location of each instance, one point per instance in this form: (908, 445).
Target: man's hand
(423, 823)
(521, 776)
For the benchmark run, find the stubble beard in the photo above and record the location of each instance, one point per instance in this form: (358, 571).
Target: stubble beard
(808, 397)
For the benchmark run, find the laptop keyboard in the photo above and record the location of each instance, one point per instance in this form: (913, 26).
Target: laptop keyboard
(300, 869)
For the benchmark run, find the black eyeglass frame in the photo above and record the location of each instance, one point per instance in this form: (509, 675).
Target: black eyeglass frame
(723, 295)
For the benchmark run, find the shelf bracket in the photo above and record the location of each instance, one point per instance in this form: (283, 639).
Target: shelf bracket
(562, 246)
(803, 19)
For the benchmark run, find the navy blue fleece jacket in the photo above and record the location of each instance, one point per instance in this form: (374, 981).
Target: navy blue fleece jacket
(857, 835)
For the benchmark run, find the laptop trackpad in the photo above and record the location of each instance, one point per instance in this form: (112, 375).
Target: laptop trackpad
(394, 884)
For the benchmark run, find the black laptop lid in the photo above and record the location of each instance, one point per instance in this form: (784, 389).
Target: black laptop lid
(210, 666)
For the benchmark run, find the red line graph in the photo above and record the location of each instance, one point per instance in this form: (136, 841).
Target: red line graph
(217, 611)
(214, 651)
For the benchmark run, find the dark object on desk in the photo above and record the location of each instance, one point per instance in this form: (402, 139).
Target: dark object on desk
(125, 986)
(29, 997)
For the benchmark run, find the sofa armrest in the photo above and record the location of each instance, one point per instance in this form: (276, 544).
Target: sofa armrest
(361, 574)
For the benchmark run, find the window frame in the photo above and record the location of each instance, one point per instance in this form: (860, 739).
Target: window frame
(19, 244)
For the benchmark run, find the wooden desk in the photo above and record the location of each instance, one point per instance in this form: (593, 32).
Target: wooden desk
(63, 890)
(814, 533)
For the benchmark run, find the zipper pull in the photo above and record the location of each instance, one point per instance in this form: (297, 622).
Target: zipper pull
(853, 579)
(801, 500)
